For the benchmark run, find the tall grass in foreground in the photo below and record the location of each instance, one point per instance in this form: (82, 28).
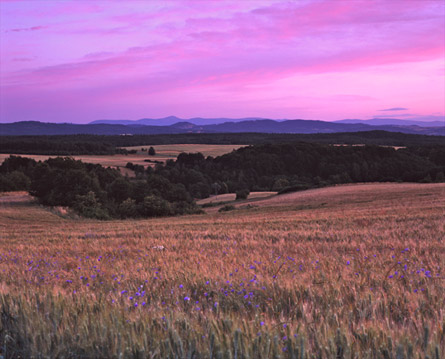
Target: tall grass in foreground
(356, 275)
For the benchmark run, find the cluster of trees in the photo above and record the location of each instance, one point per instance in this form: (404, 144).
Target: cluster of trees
(171, 188)
(94, 191)
(286, 167)
(151, 151)
(104, 145)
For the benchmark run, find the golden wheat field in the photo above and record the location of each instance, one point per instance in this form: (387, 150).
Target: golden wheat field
(172, 151)
(353, 271)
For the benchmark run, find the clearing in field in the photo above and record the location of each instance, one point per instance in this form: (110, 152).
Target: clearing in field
(351, 271)
(172, 151)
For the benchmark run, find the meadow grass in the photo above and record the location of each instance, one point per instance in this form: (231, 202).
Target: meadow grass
(342, 272)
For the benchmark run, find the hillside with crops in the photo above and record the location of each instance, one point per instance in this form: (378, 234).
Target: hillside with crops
(350, 271)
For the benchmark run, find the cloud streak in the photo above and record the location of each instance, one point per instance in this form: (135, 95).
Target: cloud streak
(33, 28)
(395, 109)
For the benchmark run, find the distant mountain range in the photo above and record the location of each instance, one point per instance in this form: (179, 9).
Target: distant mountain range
(173, 125)
(171, 120)
(395, 121)
(430, 121)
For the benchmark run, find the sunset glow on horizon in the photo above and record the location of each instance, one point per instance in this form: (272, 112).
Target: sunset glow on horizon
(80, 61)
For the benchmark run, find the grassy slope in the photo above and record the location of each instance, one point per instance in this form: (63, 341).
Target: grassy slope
(290, 253)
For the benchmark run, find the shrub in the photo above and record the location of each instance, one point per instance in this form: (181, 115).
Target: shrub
(226, 208)
(242, 193)
(88, 206)
(154, 206)
(295, 188)
(119, 189)
(200, 190)
(279, 184)
(14, 181)
(128, 209)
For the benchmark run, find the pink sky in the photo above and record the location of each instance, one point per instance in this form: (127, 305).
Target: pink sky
(79, 61)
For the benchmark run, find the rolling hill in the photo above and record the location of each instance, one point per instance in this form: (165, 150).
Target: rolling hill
(256, 125)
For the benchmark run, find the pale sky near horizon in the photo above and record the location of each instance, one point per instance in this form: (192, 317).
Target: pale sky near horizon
(79, 61)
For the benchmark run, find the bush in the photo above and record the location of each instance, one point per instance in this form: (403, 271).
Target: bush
(242, 194)
(279, 184)
(226, 208)
(200, 190)
(119, 189)
(183, 207)
(14, 181)
(88, 206)
(128, 209)
(154, 206)
(295, 188)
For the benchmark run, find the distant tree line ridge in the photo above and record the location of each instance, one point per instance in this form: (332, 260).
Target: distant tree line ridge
(170, 188)
(58, 145)
(70, 145)
(184, 127)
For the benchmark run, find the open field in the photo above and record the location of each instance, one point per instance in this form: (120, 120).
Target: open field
(163, 153)
(351, 271)
(341, 195)
(172, 151)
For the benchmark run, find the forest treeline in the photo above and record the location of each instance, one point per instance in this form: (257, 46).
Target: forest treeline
(59, 145)
(287, 167)
(70, 145)
(170, 188)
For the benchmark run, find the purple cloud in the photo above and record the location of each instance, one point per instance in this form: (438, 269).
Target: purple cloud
(395, 109)
(33, 28)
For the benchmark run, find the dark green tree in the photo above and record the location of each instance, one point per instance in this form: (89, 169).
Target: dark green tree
(88, 206)
(242, 193)
(120, 189)
(154, 206)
